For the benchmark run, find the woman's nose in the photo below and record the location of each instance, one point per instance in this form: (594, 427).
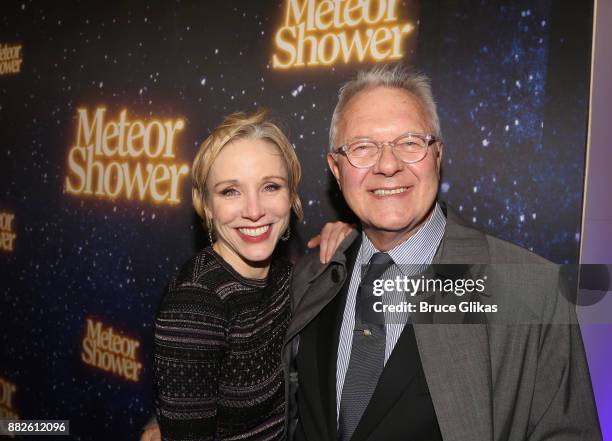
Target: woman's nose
(253, 209)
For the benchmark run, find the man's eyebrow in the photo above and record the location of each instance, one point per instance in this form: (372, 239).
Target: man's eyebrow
(359, 138)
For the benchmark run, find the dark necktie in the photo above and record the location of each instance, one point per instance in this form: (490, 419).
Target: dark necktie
(367, 351)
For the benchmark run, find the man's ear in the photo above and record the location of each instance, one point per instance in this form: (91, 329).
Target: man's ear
(440, 154)
(333, 166)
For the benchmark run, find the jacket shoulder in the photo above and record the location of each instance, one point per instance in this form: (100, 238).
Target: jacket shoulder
(304, 273)
(307, 266)
(472, 241)
(502, 251)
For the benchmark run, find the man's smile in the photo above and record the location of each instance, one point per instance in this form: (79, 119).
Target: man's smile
(389, 191)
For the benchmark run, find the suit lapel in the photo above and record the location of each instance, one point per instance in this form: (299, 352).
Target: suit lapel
(331, 340)
(328, 324)
(455, 357)
(327, 344)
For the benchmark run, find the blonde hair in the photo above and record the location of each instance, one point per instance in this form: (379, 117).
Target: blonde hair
(241, 125)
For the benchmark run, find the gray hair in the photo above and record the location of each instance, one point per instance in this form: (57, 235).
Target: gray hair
(397, 77)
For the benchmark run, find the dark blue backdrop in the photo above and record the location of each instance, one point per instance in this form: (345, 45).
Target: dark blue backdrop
(510, 79)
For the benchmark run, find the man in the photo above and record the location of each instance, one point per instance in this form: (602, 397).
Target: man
(353, 380)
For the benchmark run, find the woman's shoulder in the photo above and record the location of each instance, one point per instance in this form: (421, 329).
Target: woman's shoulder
(190, 300)
(195, 287)
(196, 271)
(206, 270)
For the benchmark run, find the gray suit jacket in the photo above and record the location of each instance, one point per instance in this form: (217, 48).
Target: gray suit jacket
(487, 381)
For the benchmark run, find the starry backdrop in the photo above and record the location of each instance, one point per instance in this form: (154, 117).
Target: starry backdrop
(510, 80)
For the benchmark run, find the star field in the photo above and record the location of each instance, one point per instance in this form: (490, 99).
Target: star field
(512, 166)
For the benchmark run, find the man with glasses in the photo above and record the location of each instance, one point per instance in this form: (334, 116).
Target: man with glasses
(355, 378)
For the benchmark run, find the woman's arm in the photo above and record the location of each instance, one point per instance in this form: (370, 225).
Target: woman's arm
(189, 343)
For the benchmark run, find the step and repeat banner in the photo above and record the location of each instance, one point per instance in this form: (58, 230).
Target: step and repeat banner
(103, 106)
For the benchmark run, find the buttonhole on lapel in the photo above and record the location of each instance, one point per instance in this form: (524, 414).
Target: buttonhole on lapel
(335, 276)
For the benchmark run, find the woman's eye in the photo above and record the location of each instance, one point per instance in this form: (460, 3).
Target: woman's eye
(229, 192)
(272, 187)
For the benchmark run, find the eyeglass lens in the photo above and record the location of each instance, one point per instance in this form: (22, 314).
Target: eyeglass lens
(364, 153)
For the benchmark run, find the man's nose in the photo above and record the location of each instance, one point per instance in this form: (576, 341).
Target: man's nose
(253, 209)
(388, 164)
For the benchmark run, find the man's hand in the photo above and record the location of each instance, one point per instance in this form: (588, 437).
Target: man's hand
(332, 234)
(151, 433)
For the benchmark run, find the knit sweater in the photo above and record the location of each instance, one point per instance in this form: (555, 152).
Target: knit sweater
(217, 365)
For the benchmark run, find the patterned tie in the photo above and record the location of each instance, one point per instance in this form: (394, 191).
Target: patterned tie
(367, 351)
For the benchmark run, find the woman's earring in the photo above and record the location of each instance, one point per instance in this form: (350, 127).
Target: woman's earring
(209, 227)
(287, 234)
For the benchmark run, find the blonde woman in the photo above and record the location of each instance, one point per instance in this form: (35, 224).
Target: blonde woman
(221, 323)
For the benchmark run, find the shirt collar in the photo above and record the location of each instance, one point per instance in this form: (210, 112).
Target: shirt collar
(418, 249)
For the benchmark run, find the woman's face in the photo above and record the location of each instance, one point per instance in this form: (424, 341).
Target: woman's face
(249, 202)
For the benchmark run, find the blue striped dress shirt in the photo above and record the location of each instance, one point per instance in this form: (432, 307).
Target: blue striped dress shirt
(410, 258)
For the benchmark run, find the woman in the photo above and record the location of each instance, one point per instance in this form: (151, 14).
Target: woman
(222, 321)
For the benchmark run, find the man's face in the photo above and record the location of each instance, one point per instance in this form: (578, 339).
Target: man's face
(392, 199)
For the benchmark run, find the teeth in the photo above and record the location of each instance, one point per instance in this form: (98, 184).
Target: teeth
(254, 231)
(383, 192)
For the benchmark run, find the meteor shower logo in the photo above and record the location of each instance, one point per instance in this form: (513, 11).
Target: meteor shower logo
(10, 59)
(7, 234)
(108, 350)
(7, 400)
(323, 32)
(125, 158)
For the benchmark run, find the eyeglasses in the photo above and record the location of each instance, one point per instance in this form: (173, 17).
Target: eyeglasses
(408, 148)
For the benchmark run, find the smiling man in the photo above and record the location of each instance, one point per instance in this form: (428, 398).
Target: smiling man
(391, 189)
(353, 379)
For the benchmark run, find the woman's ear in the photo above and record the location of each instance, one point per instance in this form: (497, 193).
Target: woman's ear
(296, 208)
(200, 205)
(196, 200)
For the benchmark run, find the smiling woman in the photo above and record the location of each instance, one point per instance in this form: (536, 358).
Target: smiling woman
(222, 320)
(224, 316)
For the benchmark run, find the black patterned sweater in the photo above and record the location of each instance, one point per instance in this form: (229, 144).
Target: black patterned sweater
(217, 352)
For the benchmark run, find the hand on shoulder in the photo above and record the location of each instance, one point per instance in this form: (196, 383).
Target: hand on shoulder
(151, 433)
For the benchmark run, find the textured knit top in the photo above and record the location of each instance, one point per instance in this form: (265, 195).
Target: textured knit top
(217, 360)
